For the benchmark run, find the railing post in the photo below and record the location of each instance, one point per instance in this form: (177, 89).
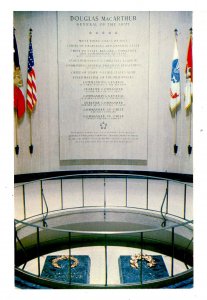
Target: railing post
(41, 189)
(43, 199)
(147, 192)
(167, 189)
(38, 251)
(83, 195)
(61, 192)
(15, 243)
(69, 259)
(24, 203)
(163, 224)
(104, 198)
(172, 257)
(126, 192)
(141, 269)
(106, 261)
(184, 208)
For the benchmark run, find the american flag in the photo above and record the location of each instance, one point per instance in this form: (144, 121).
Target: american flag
(31, 80)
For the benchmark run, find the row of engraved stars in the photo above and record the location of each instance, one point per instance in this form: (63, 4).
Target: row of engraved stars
(103, 32)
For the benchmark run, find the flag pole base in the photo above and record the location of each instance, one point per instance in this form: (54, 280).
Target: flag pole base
(189, 149)
(31, 149)
(17, 149)
(175, 148)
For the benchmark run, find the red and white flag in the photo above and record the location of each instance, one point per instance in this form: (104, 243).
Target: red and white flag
(31, 80)
(19, 101)
(189, 76)
(175, 80)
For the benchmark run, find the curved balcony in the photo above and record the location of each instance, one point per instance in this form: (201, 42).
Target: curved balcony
(108, 218)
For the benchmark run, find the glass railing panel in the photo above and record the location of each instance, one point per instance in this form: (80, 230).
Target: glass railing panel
(115, 192)
(183, 243)
(73, 194)
(90, 249)
(26, 255)
(176, 199)
(129, 266)
(33, 204)
(19, 203)
(52, 193)
(189, 203)
(157, 189)
(93, 191)
(137, 192)
(158, 244)
(53, 246)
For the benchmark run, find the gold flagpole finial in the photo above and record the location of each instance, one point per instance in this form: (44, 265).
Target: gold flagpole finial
(191, 31)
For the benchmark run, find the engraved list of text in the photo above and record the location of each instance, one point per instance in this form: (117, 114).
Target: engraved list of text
(103, 85)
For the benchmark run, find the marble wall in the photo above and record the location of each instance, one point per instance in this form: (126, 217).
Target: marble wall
(45, 119)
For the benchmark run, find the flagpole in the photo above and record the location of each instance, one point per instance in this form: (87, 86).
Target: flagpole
(16, 124)
(31, 145)
(175, 133)
(16, 134)
(30, 113)
(16, 117)
(175, 136)
(190, 115)
(189, 134)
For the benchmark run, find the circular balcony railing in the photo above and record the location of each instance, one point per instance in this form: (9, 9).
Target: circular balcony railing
(146, 214)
